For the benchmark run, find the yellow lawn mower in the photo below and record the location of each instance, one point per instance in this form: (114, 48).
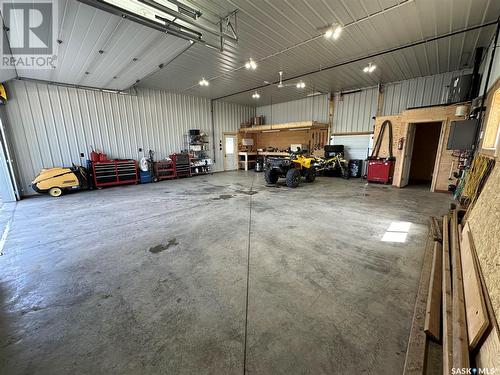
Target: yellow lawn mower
(55, 181)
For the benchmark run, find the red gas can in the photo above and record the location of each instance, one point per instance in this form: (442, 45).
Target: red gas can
(380, 170)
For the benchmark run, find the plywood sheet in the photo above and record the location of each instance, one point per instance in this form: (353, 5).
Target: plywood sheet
(488, 355)
(484, 222)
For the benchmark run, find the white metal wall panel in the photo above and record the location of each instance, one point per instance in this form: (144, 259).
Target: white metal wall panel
(313, 108)
(417, 92)
(355, 146)
(51, 125)
(227, 118)
(354, 112)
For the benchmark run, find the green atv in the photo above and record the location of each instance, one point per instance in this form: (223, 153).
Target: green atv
(291, 168)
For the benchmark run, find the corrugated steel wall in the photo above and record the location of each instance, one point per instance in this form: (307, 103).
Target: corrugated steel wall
(227, 118)
(354, 112)
(418, 92)
(51, 125)
(313, 108)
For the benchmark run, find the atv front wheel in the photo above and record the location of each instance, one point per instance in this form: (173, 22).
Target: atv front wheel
(311, 174)
(271, 176)
(292, 178)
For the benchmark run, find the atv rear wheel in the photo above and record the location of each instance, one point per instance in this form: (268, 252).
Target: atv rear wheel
(292, 178)
(271, 176)
(55, 192)
(311, 174)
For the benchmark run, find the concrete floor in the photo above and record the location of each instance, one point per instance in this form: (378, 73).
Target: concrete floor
(152, 279)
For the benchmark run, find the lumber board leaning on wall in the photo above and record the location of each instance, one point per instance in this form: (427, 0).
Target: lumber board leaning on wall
(475, 307)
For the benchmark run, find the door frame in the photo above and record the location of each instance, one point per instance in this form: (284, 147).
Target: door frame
(407, 152)
(7, 169)
(233, 134)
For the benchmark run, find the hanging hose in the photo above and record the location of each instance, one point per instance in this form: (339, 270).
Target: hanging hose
(380, 137)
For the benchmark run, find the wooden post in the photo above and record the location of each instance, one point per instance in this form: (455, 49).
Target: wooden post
(460, 341)
(417, 342)
(433, 310)
(447, 302)
(380, 100)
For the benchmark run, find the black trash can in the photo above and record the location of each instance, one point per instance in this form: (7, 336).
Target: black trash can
(259, 164)
(355, 167)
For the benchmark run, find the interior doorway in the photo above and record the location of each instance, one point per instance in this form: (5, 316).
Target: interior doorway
(230, 145)
(423, 152)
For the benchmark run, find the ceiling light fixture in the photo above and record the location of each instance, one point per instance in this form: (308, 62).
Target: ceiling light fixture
(203, 82)
(251, 64)
(256, 95)
(370, 68)
(301, 85)
(333, 32)
(314, 93)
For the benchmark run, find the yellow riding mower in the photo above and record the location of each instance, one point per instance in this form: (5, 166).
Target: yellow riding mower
(57, 180)
(292, 168)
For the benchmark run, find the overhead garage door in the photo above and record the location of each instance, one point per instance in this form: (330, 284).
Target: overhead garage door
(355, 146)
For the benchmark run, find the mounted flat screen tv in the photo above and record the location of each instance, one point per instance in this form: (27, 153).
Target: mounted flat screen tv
(462, 135)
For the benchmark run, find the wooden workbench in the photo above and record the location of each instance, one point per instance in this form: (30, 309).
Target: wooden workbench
(311, 134)
(243, 164)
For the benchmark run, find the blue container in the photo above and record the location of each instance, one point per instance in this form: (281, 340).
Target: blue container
(145, 177)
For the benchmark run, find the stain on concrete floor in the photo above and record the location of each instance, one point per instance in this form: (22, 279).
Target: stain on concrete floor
(223, 197)
(162, 247)
(247, 192)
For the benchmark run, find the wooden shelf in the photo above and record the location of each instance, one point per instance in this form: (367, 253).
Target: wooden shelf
(302, 125)
(273, 153)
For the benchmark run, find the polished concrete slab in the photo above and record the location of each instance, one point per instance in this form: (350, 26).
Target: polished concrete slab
(152, 279)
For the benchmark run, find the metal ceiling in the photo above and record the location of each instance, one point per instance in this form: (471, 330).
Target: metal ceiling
(266, 27)
(273, 33)
(102, 50)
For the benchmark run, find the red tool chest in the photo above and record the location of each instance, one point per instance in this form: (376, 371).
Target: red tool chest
(182, 163)
(380, 170)
(164, 170)
(114, 172)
